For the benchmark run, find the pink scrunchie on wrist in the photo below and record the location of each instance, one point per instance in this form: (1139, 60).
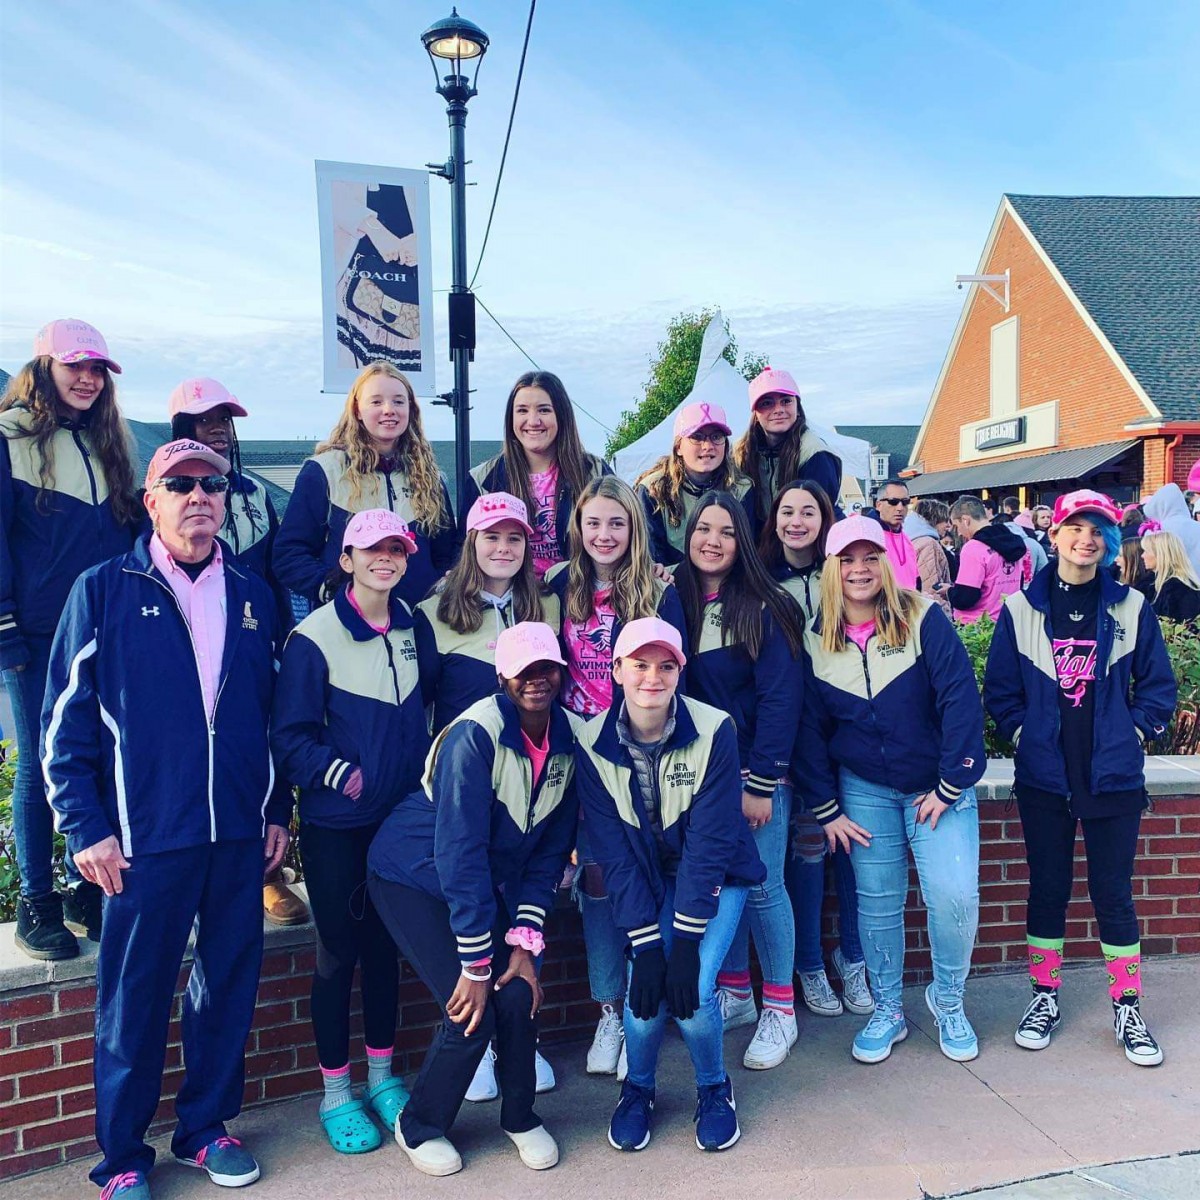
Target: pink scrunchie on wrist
(526, 938)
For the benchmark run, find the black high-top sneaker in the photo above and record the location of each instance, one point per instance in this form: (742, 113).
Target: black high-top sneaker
(40, 929)
(83, 910)
(1130, 1028)
(1041, 1019)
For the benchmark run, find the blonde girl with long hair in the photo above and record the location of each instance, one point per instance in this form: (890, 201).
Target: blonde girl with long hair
(700, 460)
(891, 744)
(377, 456)
(67, 502)
(543, 464)
(607, 582)
(1175, 593)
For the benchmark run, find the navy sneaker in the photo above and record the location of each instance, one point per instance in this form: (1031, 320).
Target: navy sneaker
(629, 1128)
(716, 1116)
(227, 1163)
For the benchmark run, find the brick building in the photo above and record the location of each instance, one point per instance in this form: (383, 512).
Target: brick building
(1081, 365)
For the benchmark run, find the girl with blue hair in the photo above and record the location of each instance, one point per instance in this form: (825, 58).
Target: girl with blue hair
(1078, 679)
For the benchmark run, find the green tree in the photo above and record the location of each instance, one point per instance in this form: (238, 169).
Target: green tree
(672, 376)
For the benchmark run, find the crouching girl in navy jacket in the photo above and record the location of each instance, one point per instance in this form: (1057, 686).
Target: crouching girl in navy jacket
(745, 634)
(1077, 678)
(662, 795)
(349, 729)
(892, 745)
(464, 872)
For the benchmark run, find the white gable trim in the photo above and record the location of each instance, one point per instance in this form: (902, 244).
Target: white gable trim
(1117, 360)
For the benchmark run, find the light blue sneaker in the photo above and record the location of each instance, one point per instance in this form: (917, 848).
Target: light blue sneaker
(873, 1043)
(957, 1038)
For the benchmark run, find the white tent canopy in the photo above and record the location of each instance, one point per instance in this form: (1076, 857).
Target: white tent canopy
(718, 382)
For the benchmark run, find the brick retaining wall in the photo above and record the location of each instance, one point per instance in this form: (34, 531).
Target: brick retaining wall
(46, 1098)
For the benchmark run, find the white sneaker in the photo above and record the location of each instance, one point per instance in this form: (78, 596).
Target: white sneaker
(736, 1010)
(856, 992)
(538, 1150)
(434, 1157)
(622, 1064)
(772, 1041)
(606, 1046)
(483, 1086)
(545, 1074)
(819, 998)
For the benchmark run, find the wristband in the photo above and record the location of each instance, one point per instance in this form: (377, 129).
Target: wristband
(476, 978)
(528, 939)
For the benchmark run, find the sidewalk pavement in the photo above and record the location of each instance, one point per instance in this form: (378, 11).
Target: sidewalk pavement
(821, 1126)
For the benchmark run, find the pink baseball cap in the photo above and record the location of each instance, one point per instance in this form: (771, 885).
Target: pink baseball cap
(522, 645)
(371, 526)
(167, 457)
(650, 631)
(1193, 479)
(849, 530)
(70, 341)
(197, 396)
(772, 380)
(702, 415)
(494, 507)
(1024, 520)
(1085, 501)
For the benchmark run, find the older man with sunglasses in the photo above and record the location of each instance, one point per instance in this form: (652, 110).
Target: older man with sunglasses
(160, 776)
(891, 507)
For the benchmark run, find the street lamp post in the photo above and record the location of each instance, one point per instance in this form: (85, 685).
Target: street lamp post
(456, 41)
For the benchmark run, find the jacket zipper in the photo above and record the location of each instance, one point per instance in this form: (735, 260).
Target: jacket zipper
(387, 645)
(87, 466)
(391, 491)
(871, 696)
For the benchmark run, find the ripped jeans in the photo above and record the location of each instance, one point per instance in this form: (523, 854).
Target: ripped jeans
(947, 860)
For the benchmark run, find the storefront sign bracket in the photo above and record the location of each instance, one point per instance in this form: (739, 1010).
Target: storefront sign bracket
(986, 282)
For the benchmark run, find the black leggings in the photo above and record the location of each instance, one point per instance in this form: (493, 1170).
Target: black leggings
(349, 931)
(420, 923)
(1111, 846)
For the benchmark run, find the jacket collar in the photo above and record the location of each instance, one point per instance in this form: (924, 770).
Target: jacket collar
(608, 743)
(358, 629)
(562, 739)
(139, 559)
(1038, 592)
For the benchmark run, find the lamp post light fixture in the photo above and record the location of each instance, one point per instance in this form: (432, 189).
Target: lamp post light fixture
(457, 43)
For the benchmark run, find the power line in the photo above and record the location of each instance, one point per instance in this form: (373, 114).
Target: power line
(535, 365)
(512, 112)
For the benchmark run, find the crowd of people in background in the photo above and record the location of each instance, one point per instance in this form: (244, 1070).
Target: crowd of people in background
(684, 699)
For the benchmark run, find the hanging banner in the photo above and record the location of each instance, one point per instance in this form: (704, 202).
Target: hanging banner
(376, 287)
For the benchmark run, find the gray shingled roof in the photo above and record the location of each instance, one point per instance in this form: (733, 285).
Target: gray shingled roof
(896, 440)
(1134, 264)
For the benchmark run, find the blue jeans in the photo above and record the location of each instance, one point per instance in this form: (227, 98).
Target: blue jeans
(947, 860)
(768, 913)
(603, 942)
(703, 1031)
(804, 876)
(33, 819)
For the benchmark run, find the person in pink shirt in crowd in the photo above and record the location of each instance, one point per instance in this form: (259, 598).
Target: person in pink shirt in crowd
(891, 507)
(994, 563)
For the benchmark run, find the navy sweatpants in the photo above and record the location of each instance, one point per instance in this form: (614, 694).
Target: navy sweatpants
(218, 888)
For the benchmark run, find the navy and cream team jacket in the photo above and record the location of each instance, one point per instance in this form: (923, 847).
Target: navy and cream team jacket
(42, 553)
(309, 542)
(128, 748)
(250, 527)
(666, 540)
(479, 824)
(1135, 690)
(458, 669)
(762, 697)
(492, 476)
(803, 584)
(700, 806)
(349, 697)
(904, 717)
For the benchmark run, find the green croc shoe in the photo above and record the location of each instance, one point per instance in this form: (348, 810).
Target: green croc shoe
(387, 1100)
(350, 1130)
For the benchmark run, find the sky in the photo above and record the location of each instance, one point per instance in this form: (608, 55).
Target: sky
(820, 173)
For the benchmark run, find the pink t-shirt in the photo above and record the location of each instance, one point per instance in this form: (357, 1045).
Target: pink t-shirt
(357, 608)
(981, 567)
(537, 754)
(543, 546)
(587, 688)
(902, 555)
(203, 606)
(860, 634)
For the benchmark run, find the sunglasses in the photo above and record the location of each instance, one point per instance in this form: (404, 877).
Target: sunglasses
(888, 500)
(184, 485)
(767, 403)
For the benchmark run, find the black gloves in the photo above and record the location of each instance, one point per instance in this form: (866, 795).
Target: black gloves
(683, 979)
(646, 983)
